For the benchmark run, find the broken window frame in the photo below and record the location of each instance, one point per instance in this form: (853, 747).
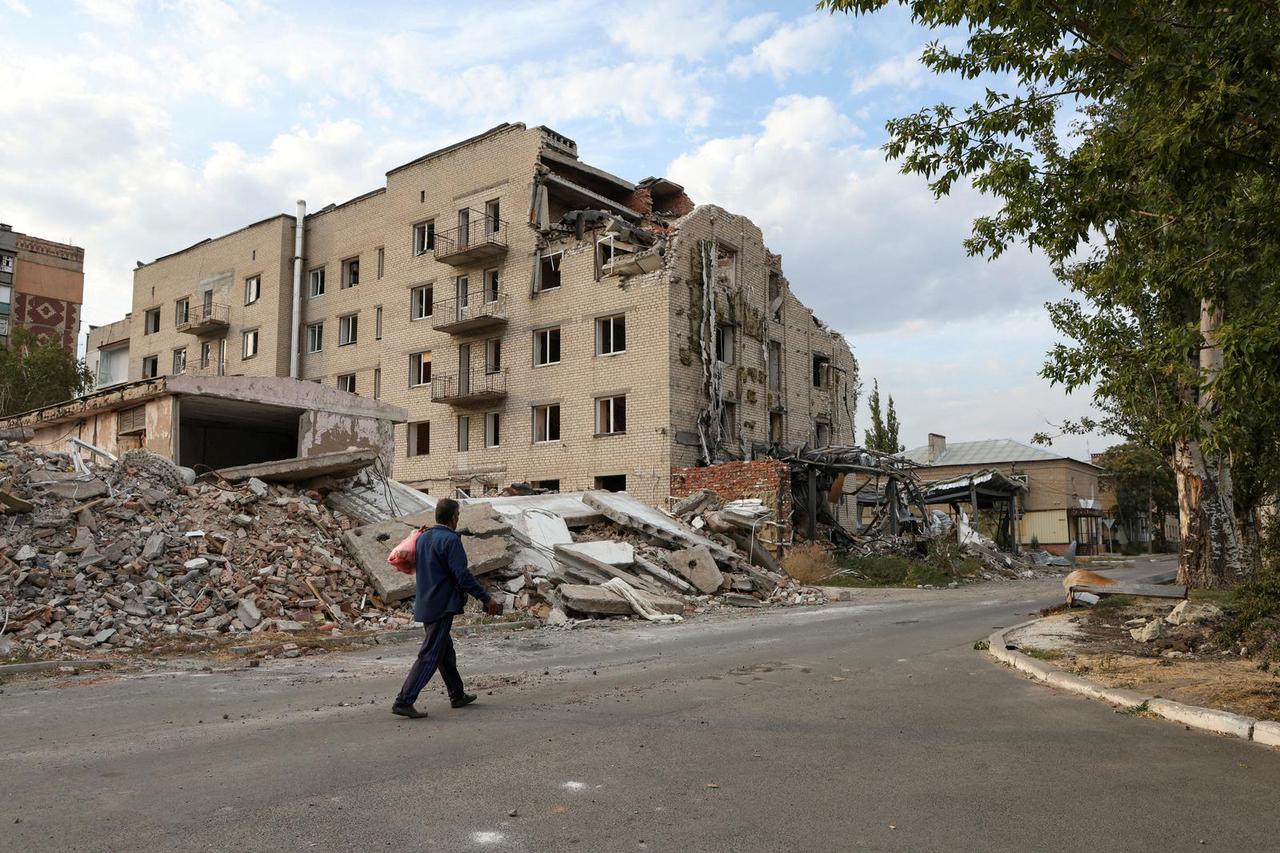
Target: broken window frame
(821, 434)
(252, 289)
(821, 370)
(248, 351)
(421, 306)
(492, 216)
(609, 328)
(542, 339)
(315, 282)
(777, 428)
(773, 363)
(492, 430)
(491, 286)
(611, 415)
(729, 419)
(151, 321)
(349, 329)
(546, 423)
(552, 262)
(414, 435)
(725, 341)
(315, 337)
(377, 383)
(180, 360)
(424, 237)
(346, 382)
(493, 355)
(464, 433)
(350, 272)
(420, 369)
(150, 366)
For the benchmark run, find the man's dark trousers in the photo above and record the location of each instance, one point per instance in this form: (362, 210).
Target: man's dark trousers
(435, 653)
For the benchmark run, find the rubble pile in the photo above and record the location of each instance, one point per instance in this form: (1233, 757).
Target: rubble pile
(525, 553)
(129, 554)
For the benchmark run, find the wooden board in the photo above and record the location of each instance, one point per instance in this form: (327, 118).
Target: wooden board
(1144, 590)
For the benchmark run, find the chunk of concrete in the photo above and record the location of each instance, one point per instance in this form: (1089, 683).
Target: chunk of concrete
(482, 520)
(485, 554)
(369, 546)
(248, 614)
(1153, 630)
(338, 463)
(596, 601)
(606, 551)
(154, 547)
(698, 567)
(69, 485)
(25, 553)
(544, 529)
(1189, 612)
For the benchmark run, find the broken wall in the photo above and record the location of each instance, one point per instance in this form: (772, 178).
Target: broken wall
(758, 318)
(327, 432)
(767, 480)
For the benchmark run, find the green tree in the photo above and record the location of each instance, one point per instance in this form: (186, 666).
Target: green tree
(883, 435)
(1143, 484)
(35, 373)
(1136, 145)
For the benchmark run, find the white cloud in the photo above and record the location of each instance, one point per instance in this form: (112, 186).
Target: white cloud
(670, 29)
(867, 247)
(115, 12)
(801, 46)
(18, 7)
(900, 72)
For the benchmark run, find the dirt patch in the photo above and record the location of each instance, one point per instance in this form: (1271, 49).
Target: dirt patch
(1188, 663)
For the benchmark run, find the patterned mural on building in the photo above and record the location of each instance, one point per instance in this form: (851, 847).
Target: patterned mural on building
(46, 317)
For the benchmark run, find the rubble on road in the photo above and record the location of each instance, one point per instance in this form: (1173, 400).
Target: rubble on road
(132, 554)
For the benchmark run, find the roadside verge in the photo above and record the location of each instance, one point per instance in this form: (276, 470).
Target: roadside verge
(1264, 732)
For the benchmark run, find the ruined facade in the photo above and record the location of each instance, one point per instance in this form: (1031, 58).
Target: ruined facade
(539, 319)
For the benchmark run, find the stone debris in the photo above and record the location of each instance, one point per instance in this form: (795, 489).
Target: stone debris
(1189, 612)
(1149, 632)
(145, 558)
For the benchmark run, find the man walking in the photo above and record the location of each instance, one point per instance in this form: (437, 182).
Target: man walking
(443, 580)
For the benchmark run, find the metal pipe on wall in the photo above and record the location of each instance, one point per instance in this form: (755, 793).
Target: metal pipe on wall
(295, 317)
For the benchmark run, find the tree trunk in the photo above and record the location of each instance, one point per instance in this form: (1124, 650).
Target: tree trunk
(1210, 556)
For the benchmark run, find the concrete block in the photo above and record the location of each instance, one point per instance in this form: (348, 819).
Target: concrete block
(594, 600)
(1205, 719)
(487, 553)
(606, 551)
(1267, 732)
(481, 520)
(698, 567)
(248, 614)
(369, 547)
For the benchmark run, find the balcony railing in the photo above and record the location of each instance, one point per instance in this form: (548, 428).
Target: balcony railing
(469, 389)
(481, 239)
(206, 319)
(479, 309)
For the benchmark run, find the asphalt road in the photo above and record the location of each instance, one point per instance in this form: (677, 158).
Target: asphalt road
(873, 725)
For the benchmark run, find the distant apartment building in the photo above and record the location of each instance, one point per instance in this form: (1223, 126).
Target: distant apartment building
(107, 352)
(41, 287)
(540, 319)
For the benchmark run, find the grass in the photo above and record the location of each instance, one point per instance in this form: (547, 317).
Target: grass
(1223, 598)
(938, 568)
(1041, 654)
(1115, 602)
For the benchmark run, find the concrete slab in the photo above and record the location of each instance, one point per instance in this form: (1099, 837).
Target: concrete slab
(482, 520)
(341, 463)
(69, 485)
(594, 600)
(698, 567)
(623, 509)
(544, 529)
(1267, 732)
(487, 553)
(567, 505)
(606, 551)
(369, 547)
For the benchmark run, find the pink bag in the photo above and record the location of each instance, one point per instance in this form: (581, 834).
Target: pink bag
(404, 557)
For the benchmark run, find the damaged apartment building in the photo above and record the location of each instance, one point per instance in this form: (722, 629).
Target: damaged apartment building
(539, 319)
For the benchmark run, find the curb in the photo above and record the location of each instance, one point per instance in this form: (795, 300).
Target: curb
(1264, 732)
(51, 665)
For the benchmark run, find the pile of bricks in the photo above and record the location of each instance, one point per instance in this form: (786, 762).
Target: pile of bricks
(765, 479)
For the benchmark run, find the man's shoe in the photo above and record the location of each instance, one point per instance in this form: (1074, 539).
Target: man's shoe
(408, 711)
(464, 699)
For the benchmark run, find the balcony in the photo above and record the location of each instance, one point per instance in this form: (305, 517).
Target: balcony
(483, 238)
(479, 309)
(206, 320)
(469, 389)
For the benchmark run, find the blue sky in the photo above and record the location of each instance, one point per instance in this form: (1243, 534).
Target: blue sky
(136, 128)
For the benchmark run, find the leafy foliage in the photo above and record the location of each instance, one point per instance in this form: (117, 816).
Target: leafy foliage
(35, 373)
(1142, 482)
(883, 435)
(1137, 146)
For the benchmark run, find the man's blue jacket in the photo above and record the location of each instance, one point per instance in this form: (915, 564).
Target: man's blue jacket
(442, 575)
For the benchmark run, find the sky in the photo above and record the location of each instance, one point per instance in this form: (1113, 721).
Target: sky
(135, 128)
